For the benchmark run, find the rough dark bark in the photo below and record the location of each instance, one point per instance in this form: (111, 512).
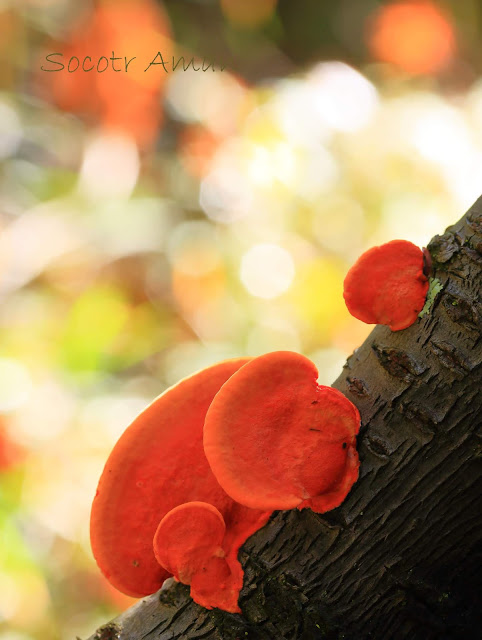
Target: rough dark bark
(401, 557)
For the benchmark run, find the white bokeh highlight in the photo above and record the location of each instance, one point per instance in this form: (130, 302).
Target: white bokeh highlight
(267, 270)
(110, 167)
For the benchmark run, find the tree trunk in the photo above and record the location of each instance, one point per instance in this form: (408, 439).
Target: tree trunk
(401, 557)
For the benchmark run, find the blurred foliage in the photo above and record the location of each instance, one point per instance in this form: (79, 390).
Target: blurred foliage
(152, 223)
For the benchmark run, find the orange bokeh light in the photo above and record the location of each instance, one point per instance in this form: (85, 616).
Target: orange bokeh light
(126, 98)
(11, 453)
(192, 292)
(197, 146)
(418, 37)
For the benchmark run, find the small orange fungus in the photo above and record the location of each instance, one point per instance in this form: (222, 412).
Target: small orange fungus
(387, 285)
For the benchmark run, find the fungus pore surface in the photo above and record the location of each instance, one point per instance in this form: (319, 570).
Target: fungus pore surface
(387, 285)
(275, 439)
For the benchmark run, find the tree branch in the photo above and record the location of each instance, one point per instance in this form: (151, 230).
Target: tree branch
(400, 558)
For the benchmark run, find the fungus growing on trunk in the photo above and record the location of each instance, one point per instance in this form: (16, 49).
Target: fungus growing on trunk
(387, 285)
(157, 464)
(275, 439)
(189, 544)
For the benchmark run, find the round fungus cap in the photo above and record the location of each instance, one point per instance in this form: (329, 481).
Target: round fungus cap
(158, 464)
(188, 543)
(275, 439)
(387, 285)
(187, 537)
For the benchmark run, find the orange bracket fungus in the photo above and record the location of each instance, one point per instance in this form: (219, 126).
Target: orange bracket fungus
(387, 285)
(157, 465)
(275, 439)
(189, 544)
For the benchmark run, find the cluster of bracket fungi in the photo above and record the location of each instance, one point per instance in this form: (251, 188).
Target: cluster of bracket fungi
(204, 466)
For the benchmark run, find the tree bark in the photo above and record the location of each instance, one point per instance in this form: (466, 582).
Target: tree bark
(401, 557)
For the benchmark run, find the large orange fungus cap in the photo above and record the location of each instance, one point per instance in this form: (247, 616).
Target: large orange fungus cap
(275, 439)
(157, 465)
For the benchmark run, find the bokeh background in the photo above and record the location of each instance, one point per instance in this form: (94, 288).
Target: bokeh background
(152, 223)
